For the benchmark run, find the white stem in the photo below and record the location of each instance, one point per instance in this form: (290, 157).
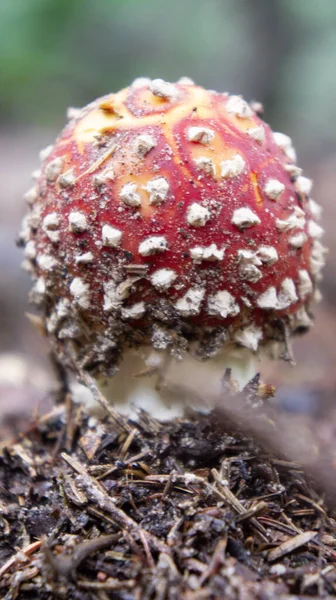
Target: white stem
(202, 379)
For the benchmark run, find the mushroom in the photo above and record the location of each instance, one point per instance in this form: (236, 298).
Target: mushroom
(170, 233)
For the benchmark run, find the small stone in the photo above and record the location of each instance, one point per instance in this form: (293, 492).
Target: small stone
(36, 174)
(34, 217)
(287, 294)
(293, 170)
(54, 236)
(278, 569)
(73, 113)
(186, 81)
(157, 189)
(267, 254)
(190, 304)
(51, 221)
(249, 256)
(238, 107)
(232, 167)
(80, 291)
(303, 185)
(197, 215)
(111, 302)
(111, 236)
(282, 140)
(31, 195)
(46, 262)
(153, 245)
(297, 240)
(77, 222)
(317, 258)
(163, 89)
(206, 165)
(250, 272)
(162, 279)
(63, 308)
(54, 169)
(209, 253)
(135, 312)
(85, 258)
(129, 195)
(305, 287)
(249, 337)
(244, 218)
(268, 300)
(302, 319)
(45, 152)
(273, 189)
(140, 82)
(285, 143)
(144, 143)
(30, 250)
(38, 291)
(257, 107)
(67, 179)
(202, 135)
(103, 178)
(315, 209)
(297, 220)
(197, 253)
(257, 134)
(212, 253)
(248, 265)
(223, 304)
(315, 230)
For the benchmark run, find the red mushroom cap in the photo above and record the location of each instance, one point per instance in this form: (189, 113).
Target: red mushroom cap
(170, 216)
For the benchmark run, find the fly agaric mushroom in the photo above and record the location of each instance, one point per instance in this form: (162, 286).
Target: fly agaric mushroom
(169, 221)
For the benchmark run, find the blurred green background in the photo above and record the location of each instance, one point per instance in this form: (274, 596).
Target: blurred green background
(60, 53)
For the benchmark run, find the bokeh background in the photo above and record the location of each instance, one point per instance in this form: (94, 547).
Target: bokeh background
(60, 53)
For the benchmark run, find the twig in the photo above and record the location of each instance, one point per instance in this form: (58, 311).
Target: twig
(109, 585)
(255, 511)
(217, 560)
(65, 565)
(100, 398)
(22, 554)
(226, 494)
(127, 443)
(98, 495)
(284, 436)
(293, 544)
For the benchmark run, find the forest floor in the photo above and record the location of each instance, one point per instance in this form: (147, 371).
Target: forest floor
(197, 508)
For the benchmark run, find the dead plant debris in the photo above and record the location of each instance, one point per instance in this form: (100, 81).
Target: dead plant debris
(105, 509)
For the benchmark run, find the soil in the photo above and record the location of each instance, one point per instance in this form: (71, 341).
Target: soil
(104, 508)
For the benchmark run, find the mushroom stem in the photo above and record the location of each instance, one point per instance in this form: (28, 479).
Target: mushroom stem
(165, 387)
